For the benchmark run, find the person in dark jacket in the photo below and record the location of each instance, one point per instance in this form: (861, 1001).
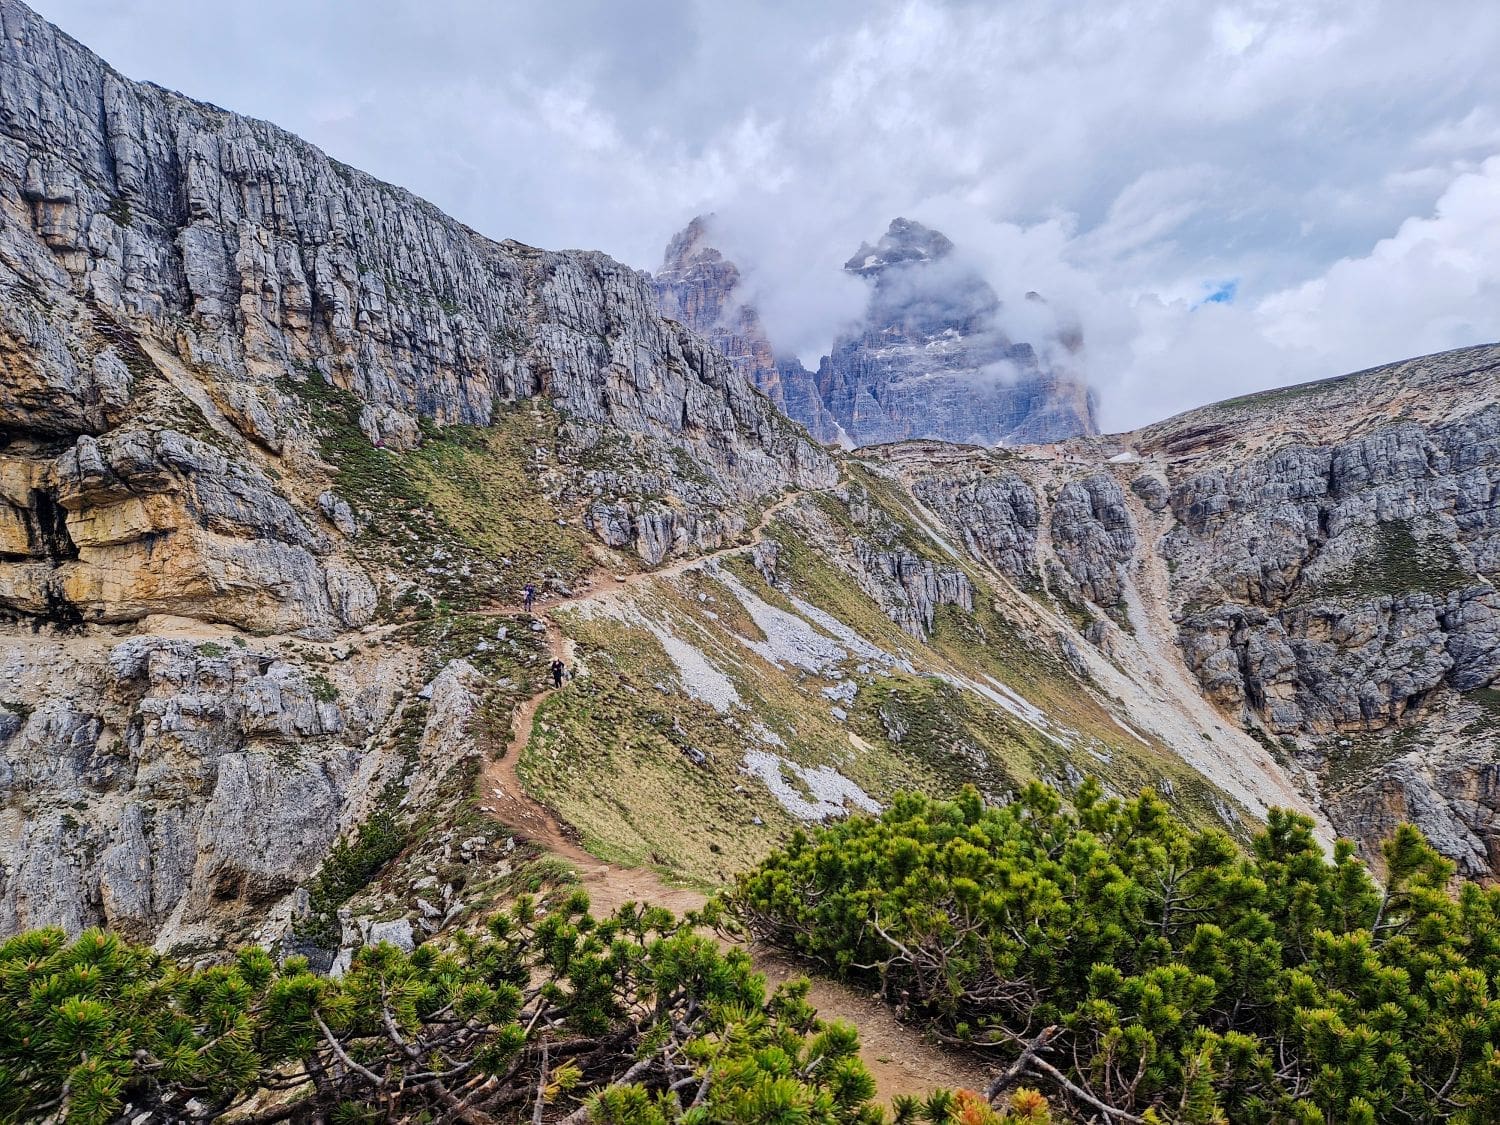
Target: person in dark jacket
(558, 668)
(530, 593)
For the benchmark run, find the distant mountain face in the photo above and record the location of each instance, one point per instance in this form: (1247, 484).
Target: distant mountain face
(700, 288)
(928, 358)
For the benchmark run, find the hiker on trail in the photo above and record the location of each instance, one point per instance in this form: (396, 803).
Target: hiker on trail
(530, 593)
(557, 673)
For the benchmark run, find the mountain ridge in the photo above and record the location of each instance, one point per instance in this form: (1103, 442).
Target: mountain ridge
(1317, 388)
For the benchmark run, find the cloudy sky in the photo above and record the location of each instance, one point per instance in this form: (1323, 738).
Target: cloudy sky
(1227, 196)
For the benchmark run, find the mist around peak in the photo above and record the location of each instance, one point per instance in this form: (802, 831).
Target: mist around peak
(927, 354)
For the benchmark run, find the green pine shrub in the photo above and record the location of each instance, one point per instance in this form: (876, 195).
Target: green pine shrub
(1137, 969)
(633, 1019)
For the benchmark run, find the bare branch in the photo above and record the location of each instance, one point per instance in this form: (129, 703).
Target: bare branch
(1013, 1073)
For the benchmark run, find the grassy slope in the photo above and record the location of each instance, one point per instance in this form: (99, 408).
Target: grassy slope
(466, 519)
(468, 500)
(609, 752)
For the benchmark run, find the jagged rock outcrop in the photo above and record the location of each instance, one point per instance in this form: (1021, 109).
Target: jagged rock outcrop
(1347, 581)
(1337, 586)
(1093, 537)
(1451, 792)
(140, 521)
(928, 360)
(176, 788)
(876, 553)
(1333, 557)
(701, 288)
(996, 515)
(910, 587)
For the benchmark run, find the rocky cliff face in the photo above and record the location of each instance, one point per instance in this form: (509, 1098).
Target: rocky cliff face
(139, 222)
(258, 422)
(928, 359)
(1332, 585)
(1334, 550)
(1321, 560)
(172, 784)
(702, 289)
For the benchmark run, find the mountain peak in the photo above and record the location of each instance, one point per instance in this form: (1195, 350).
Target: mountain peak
(927, 358)
(690, 247)
(905, 241)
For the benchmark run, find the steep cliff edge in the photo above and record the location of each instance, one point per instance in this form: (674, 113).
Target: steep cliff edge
(700, 287)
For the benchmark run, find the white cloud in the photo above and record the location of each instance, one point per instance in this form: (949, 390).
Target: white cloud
(1434, 284)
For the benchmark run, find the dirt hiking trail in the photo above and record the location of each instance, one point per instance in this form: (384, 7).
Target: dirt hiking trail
(901, 1060)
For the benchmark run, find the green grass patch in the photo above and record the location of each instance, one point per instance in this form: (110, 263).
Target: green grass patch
(608, 752)
(473, 492)
(118, 212)
(324, 690)
(1400, 561)
(1487, 722)
(1279, 396)
(1367, 756)
(352, 864)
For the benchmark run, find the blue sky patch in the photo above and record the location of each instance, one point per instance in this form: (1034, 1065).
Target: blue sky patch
(1221, 292)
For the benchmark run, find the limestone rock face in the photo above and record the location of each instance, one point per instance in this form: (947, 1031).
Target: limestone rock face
(162, 258)
(701, 288)
(191, 303)
(928, 360)
(143, 521)
(1094, 537)
(996, 515)
(174, 788)
(1347, 581)
(1336, 585)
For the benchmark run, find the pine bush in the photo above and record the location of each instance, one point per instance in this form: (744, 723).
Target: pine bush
(1139, 970)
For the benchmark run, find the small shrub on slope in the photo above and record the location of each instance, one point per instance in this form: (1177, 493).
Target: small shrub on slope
(1143, 971)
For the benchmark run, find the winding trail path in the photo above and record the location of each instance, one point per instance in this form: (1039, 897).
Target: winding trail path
(900, 1059)
(501, 793)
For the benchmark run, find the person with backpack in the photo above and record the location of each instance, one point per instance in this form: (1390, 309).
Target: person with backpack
(558, 668)
(530, 593)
